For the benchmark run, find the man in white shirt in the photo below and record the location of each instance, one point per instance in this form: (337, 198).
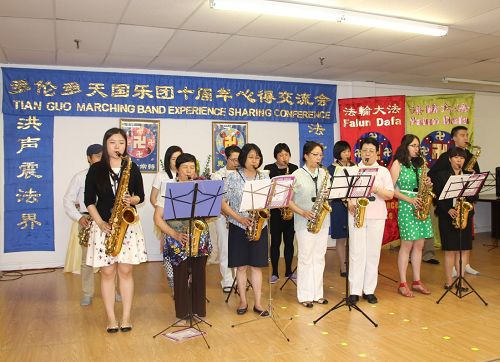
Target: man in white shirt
(75, 208)
(231, 153)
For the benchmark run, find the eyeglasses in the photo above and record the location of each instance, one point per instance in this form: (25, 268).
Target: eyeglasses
(233, 160)
(316, 154)
(369, 150)
(415, 146)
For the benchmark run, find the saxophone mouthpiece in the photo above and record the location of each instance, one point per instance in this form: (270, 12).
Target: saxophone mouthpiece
(366, 160)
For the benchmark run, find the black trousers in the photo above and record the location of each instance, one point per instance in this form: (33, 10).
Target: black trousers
(281, 228)
(198, 287)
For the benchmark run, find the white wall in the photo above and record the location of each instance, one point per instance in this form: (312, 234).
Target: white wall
(72, 135)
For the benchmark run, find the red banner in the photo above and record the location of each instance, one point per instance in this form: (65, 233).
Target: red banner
(382, 118)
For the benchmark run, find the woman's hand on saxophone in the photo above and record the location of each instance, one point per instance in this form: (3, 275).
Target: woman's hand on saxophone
(181, 237)
(126, 198)
(104, 226)
(245, 221)
(453, 213)
(416, 201)
(351, 205)
(309, 215)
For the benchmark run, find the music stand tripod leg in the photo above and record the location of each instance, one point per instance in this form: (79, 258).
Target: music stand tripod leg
(289, 278)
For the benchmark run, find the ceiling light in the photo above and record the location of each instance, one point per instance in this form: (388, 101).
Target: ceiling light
(470, 81)
(280, 8)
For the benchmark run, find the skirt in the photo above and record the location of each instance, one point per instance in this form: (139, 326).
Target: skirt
(243, 252)
(133, 249)
(451, 238)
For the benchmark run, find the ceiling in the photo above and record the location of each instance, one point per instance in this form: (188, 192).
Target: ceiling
(186, 35)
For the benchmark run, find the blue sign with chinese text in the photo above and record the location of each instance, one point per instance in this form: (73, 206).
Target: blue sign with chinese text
(320, 133)
(29, 195)
(65, 93)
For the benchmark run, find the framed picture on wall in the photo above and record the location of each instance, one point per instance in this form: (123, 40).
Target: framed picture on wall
(143, 139)
(226, 134)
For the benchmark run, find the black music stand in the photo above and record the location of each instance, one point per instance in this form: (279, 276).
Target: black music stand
(350, 186)
(461, 186)
(274, 193)
(187, 201)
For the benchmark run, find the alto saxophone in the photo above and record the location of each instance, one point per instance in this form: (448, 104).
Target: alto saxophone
(254, 231)
(462, 207)
(121, 216)
(359, 213)
(286, 212)
(469, 167)
(424, 193)
(199, 227)
(84, 232)
(321, 207)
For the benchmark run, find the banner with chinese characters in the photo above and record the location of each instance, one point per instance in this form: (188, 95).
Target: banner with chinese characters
(226, 134)
(321, 133)
(143, 139)
(78, 93)
(28, 191)
(431, 118)
(381, 118)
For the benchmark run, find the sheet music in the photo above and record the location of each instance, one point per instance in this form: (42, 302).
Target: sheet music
(363, 179)
(456, 183)
(282, 191)
(255, 194)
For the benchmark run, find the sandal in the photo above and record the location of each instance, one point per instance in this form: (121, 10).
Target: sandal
(418, 286)
(404, 290)
(321, 301)
(307, 304)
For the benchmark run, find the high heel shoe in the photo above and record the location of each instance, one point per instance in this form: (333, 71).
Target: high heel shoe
(404, 290)
(418, 286)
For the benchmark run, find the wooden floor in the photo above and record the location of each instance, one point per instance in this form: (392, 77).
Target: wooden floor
(41, 319)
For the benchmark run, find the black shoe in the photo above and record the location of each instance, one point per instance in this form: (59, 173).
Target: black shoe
(462, 289)
(432, 261)
(112, 329)
(262, 313)
(343, 274)
(370, 298)
(353, 299)
(126, 328)
(241, 311)
(446, 287)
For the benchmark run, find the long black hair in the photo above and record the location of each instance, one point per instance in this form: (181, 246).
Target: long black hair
(403, 155)
(166, 160)
(107, 135)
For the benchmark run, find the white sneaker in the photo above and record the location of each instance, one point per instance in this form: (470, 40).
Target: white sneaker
(470, 270)
(85, 301)
(454, 272)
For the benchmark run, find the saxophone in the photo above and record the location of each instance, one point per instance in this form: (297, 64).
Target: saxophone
(462, 208)
(199, 226)
(121, 216)
(359, 213)
(286, 212)
(469, 167)
(254, 231)
(321, 207)
(84, 232)
(424, 193)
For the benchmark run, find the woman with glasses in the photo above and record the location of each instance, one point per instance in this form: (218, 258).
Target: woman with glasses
(406, 174)
(311, 247)
(243, 253)
(366, 241)
(280, 227)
